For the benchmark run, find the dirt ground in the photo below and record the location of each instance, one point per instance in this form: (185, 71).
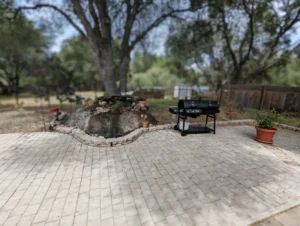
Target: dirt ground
(31, 117)
(21, 120)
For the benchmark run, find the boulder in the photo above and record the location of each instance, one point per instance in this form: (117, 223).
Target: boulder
(78, 118)
(111, 121)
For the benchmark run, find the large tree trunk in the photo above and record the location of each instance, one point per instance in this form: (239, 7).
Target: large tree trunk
(17, 79)
(4, 89)
(105, 65)
(124, 67)
(110, 80)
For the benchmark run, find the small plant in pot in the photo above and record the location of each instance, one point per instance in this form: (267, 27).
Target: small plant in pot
(231, 110)
(52, 110)
(145, 122)
(265, 130)
(87, 102)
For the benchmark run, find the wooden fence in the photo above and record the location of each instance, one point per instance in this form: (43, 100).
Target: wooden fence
(150, 93)
(264, 97)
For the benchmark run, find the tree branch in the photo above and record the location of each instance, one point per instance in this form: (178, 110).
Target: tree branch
(80, 13)
(38, 6)
(265, 67)
(282, 31)
(104, 19)
(128, 25)
(156, 23)
(227, 39)
(94, 15)
(244, 59)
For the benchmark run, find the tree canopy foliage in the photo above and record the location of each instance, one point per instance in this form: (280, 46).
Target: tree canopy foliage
(237, 40)
(101, 21)
(21, 45)
(75, 56)
(289, 75)
(212, 42)
(149, 70)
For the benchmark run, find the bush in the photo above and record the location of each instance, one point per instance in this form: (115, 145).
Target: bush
(266, 120)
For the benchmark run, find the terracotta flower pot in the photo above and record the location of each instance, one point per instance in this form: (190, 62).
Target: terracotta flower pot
(231, 114)
(52, 110)
(265, 135)
(145, 124)
(86, 102)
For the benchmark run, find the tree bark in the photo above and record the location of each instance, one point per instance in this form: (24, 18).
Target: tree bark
(105, 65)
(17, 79)
(100, 41)
(4, 89)
(124, 68)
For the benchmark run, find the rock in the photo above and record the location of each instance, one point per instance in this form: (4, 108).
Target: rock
(139, 107)
(64, 129)
(107, 124)
(78, 118)
(102, 110)
(102, 103)
(59, 118)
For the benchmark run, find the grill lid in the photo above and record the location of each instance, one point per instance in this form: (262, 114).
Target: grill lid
(198, 104)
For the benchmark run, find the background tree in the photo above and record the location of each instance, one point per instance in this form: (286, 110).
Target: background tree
(52, 79)
(289, 75)
(102, 21)
(164, 71)
(142, 61)
(74, 56)
(239, 40)
(21, 45)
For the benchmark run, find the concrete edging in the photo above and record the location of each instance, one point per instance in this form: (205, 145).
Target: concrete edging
(284, 126)
(82, 137)
(267, 214)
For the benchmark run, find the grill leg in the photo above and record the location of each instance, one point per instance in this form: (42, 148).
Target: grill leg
(206, 120)
(178, 119)
(214, 124)
(176, 127)
(183, 133)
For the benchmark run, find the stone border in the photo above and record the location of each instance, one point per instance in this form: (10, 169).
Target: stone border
(284, 126)
(267, 214)
(82, 137)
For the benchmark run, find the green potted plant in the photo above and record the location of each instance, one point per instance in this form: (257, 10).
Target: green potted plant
(88, 102)
(145, 122)
(265, 130)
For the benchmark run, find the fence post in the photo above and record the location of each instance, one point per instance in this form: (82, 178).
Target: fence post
(262, 95)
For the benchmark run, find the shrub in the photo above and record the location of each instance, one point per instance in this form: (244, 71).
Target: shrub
(266, 120)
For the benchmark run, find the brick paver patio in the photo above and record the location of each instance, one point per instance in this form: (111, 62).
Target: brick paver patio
(160, 179)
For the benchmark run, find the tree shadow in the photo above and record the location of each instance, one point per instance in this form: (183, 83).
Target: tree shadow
(222, 179)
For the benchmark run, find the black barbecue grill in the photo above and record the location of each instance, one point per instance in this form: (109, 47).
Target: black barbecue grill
(194, 109)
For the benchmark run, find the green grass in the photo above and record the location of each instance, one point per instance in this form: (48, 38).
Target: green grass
(160, 109)
(29, 100)
(161, 103)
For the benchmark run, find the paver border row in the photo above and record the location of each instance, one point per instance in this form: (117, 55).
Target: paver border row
(265, 215)
(82, 137)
